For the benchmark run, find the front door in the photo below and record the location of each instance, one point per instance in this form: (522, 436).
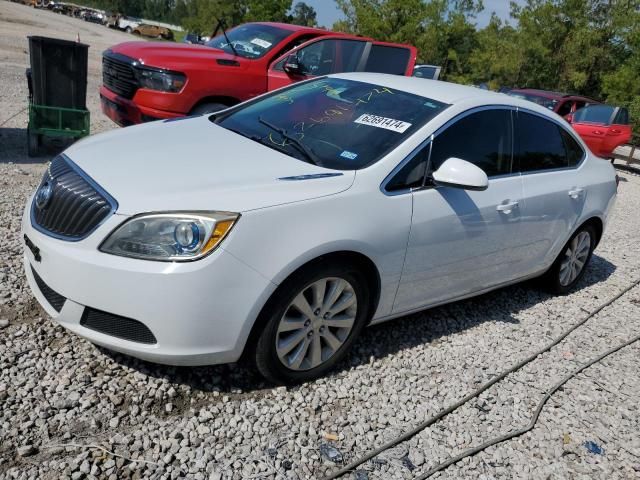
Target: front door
(464, 241)
(317, 57)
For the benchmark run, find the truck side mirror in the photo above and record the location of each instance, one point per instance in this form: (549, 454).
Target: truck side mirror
(292, 66)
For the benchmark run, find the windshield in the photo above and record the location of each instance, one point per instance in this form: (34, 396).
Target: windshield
(549, 103)
(335, 123)
(594, 114)
(252, 40)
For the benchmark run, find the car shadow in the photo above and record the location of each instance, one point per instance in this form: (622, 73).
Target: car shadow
(382, 340)
(13, 147)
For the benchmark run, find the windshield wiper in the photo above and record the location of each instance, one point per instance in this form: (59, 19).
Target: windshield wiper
(222, 25)
(309, 155)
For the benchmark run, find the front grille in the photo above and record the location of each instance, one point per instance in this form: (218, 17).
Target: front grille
(68, 204)
(118, 74)
(117, 326)
(54, 298)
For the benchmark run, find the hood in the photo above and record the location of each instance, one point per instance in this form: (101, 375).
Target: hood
(175, 56)
(194, 164)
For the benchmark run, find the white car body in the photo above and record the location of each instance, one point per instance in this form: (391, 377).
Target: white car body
(427, 246)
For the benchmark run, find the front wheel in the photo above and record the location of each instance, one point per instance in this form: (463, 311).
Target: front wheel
(208, 108)
(572, 262)
(312, 321)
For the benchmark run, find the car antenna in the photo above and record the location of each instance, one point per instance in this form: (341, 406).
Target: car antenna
(222, 25)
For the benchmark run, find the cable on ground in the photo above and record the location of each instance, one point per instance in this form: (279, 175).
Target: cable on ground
(443, 413)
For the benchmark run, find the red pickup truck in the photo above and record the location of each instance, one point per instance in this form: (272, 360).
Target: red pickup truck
(144, 81)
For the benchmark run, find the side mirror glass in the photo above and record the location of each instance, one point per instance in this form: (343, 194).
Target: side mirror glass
(292, 66)
(458, 173)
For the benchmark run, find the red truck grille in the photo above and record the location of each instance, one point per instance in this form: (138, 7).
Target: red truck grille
(118, 74)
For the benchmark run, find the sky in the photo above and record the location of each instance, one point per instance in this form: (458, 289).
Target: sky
(328, 12)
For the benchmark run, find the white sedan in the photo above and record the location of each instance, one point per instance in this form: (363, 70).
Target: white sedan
(277, 229)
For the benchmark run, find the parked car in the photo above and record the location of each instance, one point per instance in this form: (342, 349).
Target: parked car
(128, 24)
(193, 38)
(431, 72)
(154, 31)
(561, 103)
(603, 128)
(143, 81)
(277, 229)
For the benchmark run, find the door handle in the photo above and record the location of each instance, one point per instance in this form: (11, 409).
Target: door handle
(507, 208)
(615, 131)
(575, 192)
(597, 132)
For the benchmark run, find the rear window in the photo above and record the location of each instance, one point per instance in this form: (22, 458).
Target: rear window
(600, 114)
(333, 122)
(383, 59)
(622, 117)
(540, 144)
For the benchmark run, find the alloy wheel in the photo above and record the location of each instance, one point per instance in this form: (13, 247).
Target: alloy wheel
(575, 257)
(316, 323)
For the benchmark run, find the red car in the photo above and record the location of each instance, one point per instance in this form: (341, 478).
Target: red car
(602, 127)
(145, 81)
(561, 103)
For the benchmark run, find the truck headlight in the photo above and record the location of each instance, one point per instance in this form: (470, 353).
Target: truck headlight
(171, 237)
(161, 80)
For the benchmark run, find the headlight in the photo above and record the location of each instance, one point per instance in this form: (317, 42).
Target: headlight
(161, 80)
(170, 236)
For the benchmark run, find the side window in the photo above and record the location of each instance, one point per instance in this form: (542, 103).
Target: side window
(315, 59)
(483, 138)
(411, 175)
(573, 149)
(540, 144)
(290, 46)
(383, 59)
(622, 117)
(349, 54)
(565, 108)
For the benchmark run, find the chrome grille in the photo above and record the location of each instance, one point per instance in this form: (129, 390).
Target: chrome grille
(75, 206)
(118, 74)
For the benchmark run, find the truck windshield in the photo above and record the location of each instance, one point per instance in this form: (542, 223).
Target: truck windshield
(252, 40)
(333, 122)
(549, 103)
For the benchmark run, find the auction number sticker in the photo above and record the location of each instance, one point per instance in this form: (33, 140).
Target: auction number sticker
(383, 122)
(261, 43)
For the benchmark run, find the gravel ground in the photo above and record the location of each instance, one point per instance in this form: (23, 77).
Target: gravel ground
(60, 396)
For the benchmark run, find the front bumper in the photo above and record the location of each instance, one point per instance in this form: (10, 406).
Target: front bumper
(200, 313)
(126, 112)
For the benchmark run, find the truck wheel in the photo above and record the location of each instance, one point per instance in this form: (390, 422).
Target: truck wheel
(208, 108)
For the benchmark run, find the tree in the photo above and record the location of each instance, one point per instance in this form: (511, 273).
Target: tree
(303, 14)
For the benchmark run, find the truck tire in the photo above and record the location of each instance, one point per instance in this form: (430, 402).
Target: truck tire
(208, 108)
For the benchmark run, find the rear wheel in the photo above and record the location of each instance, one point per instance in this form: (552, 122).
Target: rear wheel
(313, 319)
(208, 108)
(128, 29)
(572, 262)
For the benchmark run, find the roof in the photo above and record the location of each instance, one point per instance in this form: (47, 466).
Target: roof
(547, 93)
(434, 89)
(293, 28)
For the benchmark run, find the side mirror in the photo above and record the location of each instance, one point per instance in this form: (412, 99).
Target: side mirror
(458, 173)
(292, 66)
(569, 118)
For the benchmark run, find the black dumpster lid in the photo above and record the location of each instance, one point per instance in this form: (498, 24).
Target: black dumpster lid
(59, 41)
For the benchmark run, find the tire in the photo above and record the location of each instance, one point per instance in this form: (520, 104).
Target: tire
(310, 347)
(128, 29)
(208, 108)
(558, 279)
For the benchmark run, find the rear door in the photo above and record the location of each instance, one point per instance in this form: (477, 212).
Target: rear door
(592, 124)
(547, 157)
(317, 57)
(618, 133)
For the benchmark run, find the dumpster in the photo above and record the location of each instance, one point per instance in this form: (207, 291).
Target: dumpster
(57, 82)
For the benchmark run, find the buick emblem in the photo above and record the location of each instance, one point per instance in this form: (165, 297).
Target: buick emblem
(43, 195)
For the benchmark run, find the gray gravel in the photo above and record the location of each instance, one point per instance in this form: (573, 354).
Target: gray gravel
(61, 397)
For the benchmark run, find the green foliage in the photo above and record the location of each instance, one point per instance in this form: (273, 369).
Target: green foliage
(304, 15)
